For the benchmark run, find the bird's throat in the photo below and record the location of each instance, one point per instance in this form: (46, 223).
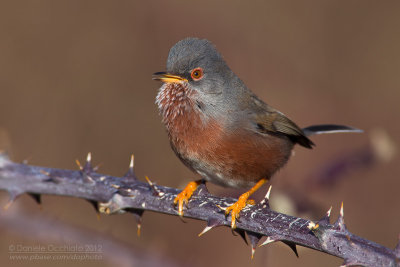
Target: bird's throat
(175, 104)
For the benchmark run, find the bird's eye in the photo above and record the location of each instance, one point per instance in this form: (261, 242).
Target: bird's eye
(197, 74)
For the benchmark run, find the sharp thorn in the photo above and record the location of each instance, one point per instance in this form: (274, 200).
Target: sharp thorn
(254, 238)
(153, 187)
(268, 193)
(253, 251)
(79, 164)
(292, 246)
(132, 163)
(210, 225)
(267, 241)
(241, 233)
(215, 222)
(326, 219)
(89, 158)
(148, 181)
(264, 203)
(94, 204)
(130, 174)
(340, 221)
(36, 197)
(13, 196)
(139, 226)
(88, 165)
(341, 210)
(138, 215)
(328, 213)
(205, 230)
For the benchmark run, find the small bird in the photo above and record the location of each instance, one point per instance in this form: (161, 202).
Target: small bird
(219, 128)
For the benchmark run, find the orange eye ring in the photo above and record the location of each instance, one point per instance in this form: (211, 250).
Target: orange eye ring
(197, 74)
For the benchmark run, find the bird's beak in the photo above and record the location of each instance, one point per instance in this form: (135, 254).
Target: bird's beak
(168, 78)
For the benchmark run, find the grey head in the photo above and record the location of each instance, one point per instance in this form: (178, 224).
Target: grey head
(191, 53)
(198, 61)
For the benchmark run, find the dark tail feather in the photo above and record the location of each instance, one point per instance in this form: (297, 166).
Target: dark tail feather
(329, 128)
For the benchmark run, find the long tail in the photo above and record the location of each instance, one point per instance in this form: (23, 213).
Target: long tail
(329, 128)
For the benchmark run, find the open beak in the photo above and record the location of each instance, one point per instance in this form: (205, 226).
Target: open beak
(168, 78)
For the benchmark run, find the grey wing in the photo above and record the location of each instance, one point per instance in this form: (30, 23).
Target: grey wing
(268, 120)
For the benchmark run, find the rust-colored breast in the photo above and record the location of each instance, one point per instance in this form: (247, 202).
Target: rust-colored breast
(234, 157)
(245, 157)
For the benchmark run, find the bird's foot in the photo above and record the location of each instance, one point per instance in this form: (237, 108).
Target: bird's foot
(237, 207)
(243, 200)
(184, 196)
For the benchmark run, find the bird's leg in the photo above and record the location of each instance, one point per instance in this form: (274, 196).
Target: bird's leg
(241, 203)
(184, 196)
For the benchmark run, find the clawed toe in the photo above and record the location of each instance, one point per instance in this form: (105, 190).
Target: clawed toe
(183, 197)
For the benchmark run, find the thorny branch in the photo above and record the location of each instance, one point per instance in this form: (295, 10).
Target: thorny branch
(112, 195)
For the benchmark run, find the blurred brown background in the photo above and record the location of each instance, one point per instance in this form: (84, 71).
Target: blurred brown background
(75, 76)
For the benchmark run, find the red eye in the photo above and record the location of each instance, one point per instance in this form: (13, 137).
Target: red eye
(197, 74)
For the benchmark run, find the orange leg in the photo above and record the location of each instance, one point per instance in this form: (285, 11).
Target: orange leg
(184, 196)
(242, 201)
